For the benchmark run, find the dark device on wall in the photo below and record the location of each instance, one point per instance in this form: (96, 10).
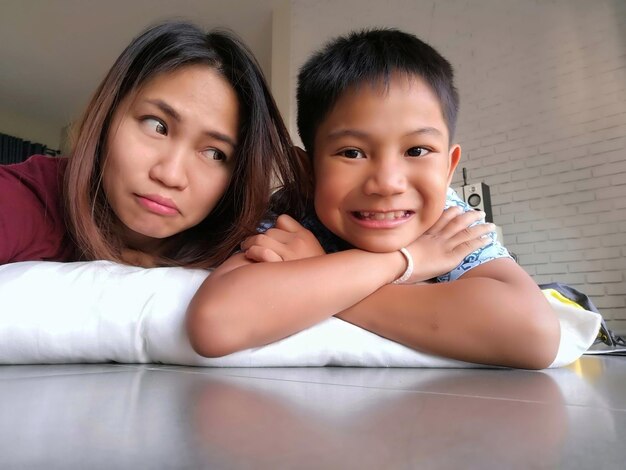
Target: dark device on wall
(478, 197)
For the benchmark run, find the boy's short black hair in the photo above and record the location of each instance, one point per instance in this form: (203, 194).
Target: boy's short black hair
(369, 56)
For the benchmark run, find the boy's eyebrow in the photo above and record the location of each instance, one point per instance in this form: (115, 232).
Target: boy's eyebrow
(171, 112)
(360, 134)
(426, 130)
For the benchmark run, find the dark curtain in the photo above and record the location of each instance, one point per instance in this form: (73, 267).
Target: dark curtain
(16, 150)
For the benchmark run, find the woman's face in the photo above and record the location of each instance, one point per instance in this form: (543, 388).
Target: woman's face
(170, 154)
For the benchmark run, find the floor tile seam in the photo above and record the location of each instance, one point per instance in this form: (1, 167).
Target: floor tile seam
(593, 407)
(390, 389)
(68, 374)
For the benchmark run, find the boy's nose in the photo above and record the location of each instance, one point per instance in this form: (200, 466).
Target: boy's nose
(386, 179)
(170, 168)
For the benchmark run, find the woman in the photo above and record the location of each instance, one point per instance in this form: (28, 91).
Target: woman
(171, 164)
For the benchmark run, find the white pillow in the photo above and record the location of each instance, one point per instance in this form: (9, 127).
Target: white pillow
(102, 311)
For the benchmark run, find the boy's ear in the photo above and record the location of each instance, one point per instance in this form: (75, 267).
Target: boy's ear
(307, 175)
(303, 157)
(455, 157)
(304, 161)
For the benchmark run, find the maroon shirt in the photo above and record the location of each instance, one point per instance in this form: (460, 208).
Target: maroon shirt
(32, 216)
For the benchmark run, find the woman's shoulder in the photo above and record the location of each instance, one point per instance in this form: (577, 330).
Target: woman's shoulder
(38, 179)
(38, 168)
(38, 171)
(32, 217)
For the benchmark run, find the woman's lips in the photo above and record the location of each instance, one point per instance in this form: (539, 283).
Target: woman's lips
(158, 204)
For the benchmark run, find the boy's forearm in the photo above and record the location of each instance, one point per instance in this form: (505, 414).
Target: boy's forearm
(503, 322)
(260, 303)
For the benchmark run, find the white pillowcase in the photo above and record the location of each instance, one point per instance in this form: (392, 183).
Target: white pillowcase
(101, 312)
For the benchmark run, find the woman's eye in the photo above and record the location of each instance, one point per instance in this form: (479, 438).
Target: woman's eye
(214, 154)
(155, 125)
(352, 153)
(417, 152)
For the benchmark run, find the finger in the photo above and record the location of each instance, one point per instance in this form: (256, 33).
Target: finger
(288, 223)
(462, 222)
(262, 254)
(465, 248)
(446, 216)
(473, 232)
(248, 242)
(264, 241)
(279, 235)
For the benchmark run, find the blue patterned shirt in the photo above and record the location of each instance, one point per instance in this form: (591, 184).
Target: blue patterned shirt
(487, 253)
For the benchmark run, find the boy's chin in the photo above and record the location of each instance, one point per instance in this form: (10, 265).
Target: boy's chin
(380, 246)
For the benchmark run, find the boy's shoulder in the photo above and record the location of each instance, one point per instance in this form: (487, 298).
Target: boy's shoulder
(329, 241)
(490, 252)
(453, 199)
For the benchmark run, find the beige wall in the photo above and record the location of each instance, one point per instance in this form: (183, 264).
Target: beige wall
(28, 128)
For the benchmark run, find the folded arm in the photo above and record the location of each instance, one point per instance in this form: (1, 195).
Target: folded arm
(494, 314)
(246, 304)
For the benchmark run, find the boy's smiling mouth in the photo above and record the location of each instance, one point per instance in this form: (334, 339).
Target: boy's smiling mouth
(381, 219)
(380, 215)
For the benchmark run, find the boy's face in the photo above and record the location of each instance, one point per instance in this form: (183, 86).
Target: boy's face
(382, 164)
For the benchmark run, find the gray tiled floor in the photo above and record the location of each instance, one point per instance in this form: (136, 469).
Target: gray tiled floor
(126, 416)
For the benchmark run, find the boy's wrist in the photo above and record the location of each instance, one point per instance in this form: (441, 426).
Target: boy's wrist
(398, 266)
(406, 275)
(392, 264)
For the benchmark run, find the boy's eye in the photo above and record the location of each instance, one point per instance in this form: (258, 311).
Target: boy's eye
(417, 152)
(155, 125)
(352, 153)
(214, 154)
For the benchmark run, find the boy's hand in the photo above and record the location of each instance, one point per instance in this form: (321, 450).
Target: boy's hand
(288, 240)
(442, 247)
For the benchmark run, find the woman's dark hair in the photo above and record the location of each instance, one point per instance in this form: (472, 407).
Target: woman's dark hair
(263, 151)
(369, 56)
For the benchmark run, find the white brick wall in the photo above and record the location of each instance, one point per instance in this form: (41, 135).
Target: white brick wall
(542, 121)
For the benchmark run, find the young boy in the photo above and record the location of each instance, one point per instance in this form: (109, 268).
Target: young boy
(376, 112)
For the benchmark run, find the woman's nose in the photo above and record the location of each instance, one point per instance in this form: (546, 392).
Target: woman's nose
(170, 168)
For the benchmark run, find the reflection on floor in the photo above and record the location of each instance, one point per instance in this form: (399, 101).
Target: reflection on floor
(126, 416)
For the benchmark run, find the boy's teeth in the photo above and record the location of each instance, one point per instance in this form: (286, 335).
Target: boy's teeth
(383, 215)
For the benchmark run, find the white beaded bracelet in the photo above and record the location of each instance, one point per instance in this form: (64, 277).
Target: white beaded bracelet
(409, 267)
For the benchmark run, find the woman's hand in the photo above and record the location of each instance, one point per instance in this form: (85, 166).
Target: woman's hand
(287, 240)
(442, 247)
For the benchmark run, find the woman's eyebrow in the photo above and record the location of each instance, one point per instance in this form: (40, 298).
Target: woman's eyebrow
(221, 137)
(167, 109)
